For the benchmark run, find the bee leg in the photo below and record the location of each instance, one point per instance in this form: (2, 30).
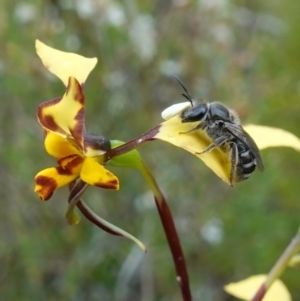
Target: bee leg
(234, 161)
(217, 143)
(200, 126)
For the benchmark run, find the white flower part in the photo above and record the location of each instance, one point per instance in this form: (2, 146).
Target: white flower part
(175, 109)
(94, 152)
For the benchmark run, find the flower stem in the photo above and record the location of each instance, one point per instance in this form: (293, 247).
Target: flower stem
(171, 234)
(132, 144)
(279, 267)
(77, 190)
(161, 204)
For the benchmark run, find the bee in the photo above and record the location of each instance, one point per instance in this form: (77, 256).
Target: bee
(223, 126)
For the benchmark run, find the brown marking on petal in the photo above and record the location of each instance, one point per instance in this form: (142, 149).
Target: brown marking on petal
(50, 123)
(68, 158)
(50, 102)
(80, 116)
(63, 171)
(78, 95)
(48, 185)
(112, 184)
(74, 163)
(108, 185)
(78, 130)
(47, 121)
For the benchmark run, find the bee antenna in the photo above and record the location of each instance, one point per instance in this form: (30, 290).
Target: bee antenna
(184, 95)
(187, 95)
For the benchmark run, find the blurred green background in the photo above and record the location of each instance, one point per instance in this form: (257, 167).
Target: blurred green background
(243, 53)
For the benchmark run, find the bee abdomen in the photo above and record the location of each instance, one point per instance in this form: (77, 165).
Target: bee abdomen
(247, 162)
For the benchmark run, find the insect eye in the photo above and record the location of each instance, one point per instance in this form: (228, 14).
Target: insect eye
(195, 114)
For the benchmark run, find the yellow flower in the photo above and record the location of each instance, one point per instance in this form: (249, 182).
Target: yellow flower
(79, 153)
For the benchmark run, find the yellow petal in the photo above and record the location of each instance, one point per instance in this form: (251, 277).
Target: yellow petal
(65, 64)
(295, 261)
(58, 146)
(65, 116)
(247, 288)
(195, 142)
(50, 179)
(266, 136)
(95, 174)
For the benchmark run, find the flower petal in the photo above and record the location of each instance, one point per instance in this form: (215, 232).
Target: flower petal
(65, 116)
(174, 132)
(246, 289)
(65, 64)
(295, 261)
(50, 179)
(95, 174)
(266, 136)
(58, 146)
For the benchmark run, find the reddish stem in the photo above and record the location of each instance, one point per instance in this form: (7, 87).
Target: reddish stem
(76, 191)
(132, 144)
(175, 247)
(260, 293)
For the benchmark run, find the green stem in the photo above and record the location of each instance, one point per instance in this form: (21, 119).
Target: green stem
(279, 267)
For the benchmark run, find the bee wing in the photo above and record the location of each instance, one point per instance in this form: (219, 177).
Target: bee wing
(238, 132)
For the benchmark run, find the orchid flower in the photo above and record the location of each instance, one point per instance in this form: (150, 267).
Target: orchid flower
(79, 153)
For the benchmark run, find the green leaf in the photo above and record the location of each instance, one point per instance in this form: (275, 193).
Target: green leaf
(130, 159)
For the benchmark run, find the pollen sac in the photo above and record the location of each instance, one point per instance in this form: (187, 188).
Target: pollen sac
(174, 110)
